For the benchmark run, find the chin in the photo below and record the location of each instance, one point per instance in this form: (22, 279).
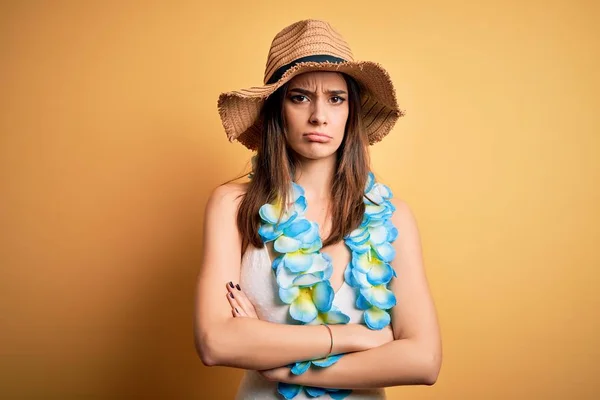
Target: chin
(316, 153)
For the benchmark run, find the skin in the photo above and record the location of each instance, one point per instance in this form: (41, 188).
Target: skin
(229, 332)
(316, 102)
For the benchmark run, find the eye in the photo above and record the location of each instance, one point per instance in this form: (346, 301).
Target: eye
(339, 99)
(298, 98)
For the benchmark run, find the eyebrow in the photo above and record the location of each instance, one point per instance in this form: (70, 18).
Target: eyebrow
(308, 92)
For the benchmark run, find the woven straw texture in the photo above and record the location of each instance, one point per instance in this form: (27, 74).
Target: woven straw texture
(240, 110)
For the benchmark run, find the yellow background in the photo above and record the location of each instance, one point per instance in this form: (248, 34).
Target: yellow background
(111, 142)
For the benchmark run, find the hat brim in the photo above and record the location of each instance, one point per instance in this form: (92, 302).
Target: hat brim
(240, 110)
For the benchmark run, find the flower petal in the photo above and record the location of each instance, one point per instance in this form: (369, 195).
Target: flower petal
(314, 391)
(303, 309)
(358, 235)
(289, 295)
(365, 261)
(376, 318)
(348, 277)
(276, 262)
(378, 235)
(288, 390)
(382, 190)
(300, 367)
(360, 278)
(268, 233)
(285, 244)
(392, 231)
(362, 303)
(373, 211)
(385, 252)
(379, 296)
(334, 316)
(320, 262)
(305, 280)
(358, 248)
(312, 247)
(322, 296)
(298, 227)
(380, 273)
(297, 261)
(297, 191)
(311, 235)
(269, 213)
(300, 205)
(327, 361)
(285, 279)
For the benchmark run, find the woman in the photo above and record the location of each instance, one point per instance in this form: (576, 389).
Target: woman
(327, 296)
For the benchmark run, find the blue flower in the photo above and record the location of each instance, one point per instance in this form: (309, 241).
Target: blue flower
(301, 367)
(272, 226)
(302, 271)
(299, 241)
(377, 235)
(320, 269)
(332, 317)
(307, 302)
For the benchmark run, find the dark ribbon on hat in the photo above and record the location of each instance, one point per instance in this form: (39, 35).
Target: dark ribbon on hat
(317, 58)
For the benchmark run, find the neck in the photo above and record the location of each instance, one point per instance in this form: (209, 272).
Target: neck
(316, 177)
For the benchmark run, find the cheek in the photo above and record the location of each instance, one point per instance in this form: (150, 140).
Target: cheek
(341, 119)
(291, 116)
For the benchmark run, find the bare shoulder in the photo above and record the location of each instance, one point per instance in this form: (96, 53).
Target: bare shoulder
(220, 217)
(226, 198)
(408, 244)
(404, 218)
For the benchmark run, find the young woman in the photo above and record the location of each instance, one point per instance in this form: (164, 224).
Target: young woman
(327, 295)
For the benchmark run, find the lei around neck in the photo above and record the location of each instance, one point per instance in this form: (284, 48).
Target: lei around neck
(302, 271)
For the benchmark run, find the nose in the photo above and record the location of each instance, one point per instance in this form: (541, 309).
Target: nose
(318, 114)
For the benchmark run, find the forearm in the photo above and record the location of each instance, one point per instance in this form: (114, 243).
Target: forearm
(401, 362)
(254, 344)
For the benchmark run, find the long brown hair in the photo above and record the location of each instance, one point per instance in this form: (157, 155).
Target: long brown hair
(276, 163)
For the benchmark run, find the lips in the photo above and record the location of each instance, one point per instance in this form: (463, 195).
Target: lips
(317, 137)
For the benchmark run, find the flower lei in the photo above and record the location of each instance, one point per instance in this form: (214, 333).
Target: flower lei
(303, 271)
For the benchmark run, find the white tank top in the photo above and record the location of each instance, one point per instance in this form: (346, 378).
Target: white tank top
(258, 283)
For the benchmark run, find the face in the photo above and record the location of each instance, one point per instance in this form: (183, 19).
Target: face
(316, 111)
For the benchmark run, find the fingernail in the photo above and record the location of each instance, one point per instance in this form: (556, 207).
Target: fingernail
(231, 284)
(231, 294)
(238, 287)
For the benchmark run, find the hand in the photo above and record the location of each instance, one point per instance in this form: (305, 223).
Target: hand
(382, 336)
(370, 338)
(240, 305)
(279, 374)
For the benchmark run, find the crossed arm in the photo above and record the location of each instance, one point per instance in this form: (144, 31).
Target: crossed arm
(409, 355)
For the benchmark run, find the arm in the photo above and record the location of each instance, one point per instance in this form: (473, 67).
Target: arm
(415, 356)
(250, 343)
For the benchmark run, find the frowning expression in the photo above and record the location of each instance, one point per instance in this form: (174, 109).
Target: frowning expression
(315, 109)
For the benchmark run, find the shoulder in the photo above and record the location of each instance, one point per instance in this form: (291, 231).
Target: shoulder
(404, 219)
(225, 199)
(408, 243)
(403, 210)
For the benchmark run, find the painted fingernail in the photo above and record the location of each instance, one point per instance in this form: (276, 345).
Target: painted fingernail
(238, 287)
(231, 284)
(231, 294)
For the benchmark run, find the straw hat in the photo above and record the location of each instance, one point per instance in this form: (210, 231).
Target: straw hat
(310, 45)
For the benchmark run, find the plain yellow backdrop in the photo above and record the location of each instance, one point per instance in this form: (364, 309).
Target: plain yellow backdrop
(110, 143)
